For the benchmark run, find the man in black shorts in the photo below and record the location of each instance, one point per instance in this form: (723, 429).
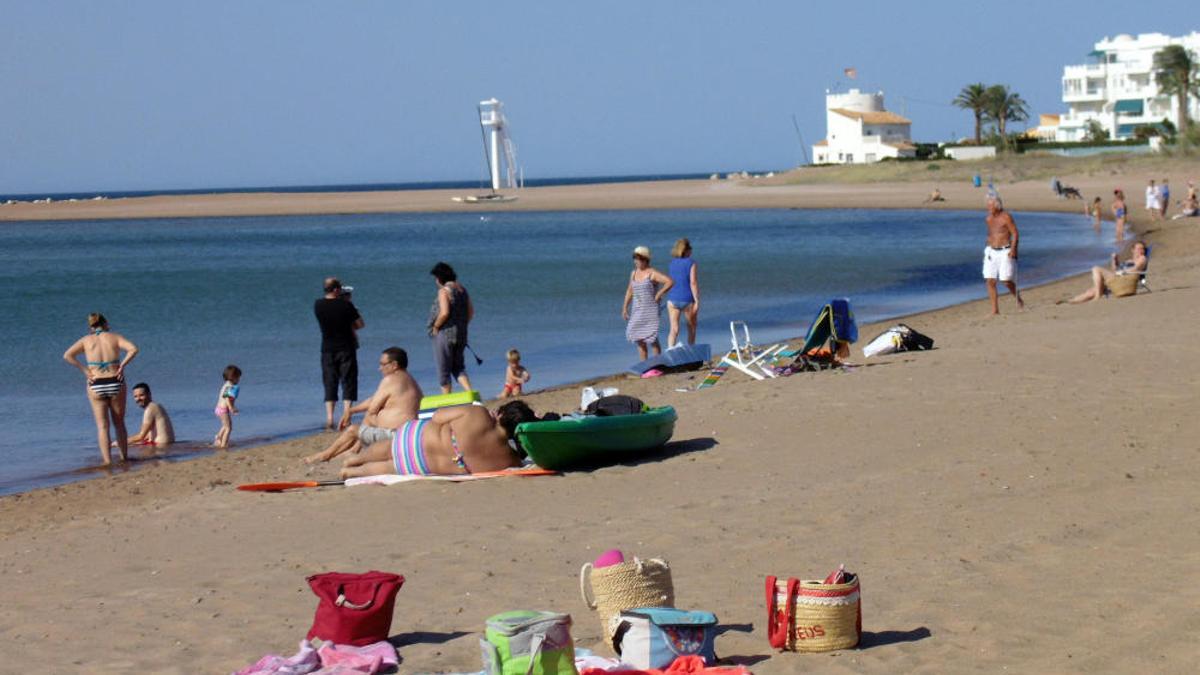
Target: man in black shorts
(338, 319)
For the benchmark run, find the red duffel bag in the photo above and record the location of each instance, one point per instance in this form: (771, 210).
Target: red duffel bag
(354, 609)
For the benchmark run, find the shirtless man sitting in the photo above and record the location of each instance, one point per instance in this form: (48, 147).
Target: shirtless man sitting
(156, 423)
(456, 440)
(395, 401)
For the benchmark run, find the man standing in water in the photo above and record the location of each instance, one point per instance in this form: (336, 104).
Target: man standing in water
(156, 423)
(338, 319)
(1000, 254)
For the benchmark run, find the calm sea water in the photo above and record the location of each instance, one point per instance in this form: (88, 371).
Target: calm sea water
(197, 294)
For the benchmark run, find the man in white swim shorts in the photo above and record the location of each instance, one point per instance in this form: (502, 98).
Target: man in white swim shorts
(1000, 254)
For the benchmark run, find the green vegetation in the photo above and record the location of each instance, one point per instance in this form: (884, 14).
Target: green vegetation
(996, 104)
(1095, 132)
(1007, 168)
(1175, 75)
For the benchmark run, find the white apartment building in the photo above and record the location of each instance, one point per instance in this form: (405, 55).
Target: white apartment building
(859, 130)
(1117, 88)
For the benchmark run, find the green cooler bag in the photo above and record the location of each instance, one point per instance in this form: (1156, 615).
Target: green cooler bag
(525, 642)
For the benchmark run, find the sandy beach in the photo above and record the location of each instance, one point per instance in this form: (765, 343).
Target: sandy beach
(1021, 498)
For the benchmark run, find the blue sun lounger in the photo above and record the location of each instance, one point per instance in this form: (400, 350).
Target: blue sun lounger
(679, 356)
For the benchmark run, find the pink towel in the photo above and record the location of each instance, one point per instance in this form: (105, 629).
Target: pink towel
(302, 662)
(338, 659)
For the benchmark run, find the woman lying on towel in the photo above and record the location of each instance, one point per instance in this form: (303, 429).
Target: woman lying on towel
(1101, 277)
(456, 440)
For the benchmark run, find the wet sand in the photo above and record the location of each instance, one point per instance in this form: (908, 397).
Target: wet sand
(1021, 497)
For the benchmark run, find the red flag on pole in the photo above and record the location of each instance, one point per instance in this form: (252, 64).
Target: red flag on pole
(851, 73)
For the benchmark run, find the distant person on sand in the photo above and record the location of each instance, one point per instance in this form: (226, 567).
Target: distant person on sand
(1101, 277)
(935, 196)
(1000, 254)
(645, 291)
(1119, 212)
(1164, 197)
(226, 406)
(1190, 208)
(684, 294)
(105, 373)
(457, 440)
(1094, 210)
(449, 317)
(338, 319)
(156, 423)
(1153, 203)
(515, 375)
(396, 400)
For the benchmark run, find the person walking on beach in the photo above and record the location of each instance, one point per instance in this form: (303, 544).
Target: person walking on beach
(1000, 254)
(338, 319)
(645, 291)
(1164, 198)
(452, 311)
(1119, 212)
(396, 401)
(684, 296)
(104, 369)
(156, 423)
(226, 406)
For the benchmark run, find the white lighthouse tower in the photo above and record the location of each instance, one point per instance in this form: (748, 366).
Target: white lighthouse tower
(498, 145)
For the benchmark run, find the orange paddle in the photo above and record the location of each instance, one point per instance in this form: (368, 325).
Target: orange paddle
(280, 487)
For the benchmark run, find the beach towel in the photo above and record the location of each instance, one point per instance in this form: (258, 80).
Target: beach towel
(392, 479)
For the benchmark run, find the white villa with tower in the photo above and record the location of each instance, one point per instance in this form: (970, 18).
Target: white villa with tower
(860, 130)
(1117, 87)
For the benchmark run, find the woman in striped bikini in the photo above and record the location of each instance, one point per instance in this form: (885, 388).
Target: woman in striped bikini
(105, 373)
(645, 291)
(456, 440)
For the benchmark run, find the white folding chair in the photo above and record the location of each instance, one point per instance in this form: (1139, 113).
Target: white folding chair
(747, 358)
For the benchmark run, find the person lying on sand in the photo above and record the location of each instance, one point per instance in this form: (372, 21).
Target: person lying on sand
(1101, 277)
(935, 196)
(457, 440)
(395, 401)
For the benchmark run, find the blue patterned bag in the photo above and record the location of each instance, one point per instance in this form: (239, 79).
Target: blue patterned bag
(653, 637)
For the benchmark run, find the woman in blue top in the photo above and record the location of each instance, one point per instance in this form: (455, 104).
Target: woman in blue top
(684, 296)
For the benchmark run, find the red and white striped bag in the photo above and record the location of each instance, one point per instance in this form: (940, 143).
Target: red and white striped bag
(814, 616)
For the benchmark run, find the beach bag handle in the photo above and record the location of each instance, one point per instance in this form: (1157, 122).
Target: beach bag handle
(585, 586)
(343, 602)
(777, 627)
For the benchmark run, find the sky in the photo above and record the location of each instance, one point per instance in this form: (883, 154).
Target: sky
(149, 95)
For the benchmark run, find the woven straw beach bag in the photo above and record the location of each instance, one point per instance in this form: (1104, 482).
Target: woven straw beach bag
(813, 616)
(1123, 285)
(628, 585)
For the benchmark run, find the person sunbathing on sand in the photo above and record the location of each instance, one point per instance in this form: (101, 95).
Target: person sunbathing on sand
(457, 440)
(395, 401)
(1102, 277)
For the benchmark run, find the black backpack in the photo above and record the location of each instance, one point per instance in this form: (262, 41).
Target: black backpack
(619, 404)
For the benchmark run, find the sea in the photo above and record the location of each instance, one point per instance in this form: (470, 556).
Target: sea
(197, 294)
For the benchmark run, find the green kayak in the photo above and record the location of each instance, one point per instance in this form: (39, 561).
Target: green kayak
(569, 442)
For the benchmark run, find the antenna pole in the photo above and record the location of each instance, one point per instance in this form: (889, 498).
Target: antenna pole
(486, 157)
(796, 126)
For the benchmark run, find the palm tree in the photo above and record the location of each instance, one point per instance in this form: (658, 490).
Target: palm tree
(1003, 105)
(973, 97)
(1175, 75)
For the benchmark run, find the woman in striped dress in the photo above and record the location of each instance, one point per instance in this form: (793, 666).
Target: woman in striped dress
(646, 288)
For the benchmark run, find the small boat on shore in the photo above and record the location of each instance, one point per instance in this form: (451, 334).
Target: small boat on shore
(494, 198)
(592, 440)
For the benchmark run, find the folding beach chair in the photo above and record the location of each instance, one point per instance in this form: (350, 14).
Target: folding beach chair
(744, 356)
(834, 326)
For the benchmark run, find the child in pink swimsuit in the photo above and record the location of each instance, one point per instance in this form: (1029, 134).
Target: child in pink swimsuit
(226, 408)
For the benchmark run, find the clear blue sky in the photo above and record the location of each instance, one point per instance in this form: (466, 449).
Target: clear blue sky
(157, 94)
